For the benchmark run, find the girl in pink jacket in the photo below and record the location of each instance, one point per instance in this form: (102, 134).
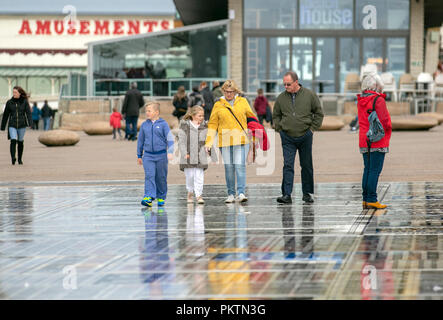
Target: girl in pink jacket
(115, 122)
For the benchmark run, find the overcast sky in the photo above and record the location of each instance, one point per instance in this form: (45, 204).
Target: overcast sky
(123, 7)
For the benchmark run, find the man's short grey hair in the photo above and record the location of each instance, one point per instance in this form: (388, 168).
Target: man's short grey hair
(134, 85)
(293, 75)
(372, 82)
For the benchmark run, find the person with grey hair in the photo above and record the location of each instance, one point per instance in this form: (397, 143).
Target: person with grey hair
(297, 114)
(131, 110)
(372, 99)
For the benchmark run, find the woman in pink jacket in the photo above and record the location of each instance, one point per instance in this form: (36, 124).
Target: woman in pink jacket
(374, 155)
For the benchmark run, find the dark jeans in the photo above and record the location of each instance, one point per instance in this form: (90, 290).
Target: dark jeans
(290, 146)
(131, 127)
(373, 166)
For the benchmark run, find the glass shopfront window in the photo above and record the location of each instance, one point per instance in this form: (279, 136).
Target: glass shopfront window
(382, 14)
(279, 60)
(265, 14)
(198, 53)
(302, 60)
(326, 14)
(256, 65)
(334, 38)
(395, 57)
(325, 65)
(373, 52)
(349, 58)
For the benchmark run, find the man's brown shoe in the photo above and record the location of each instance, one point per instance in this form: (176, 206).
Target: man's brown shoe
(375, 205)
(365, 205)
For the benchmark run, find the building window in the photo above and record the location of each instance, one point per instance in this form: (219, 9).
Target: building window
(256, 67)
(349, 58)
(373, 52)
(382, 14)
(302, 59)
(279, 60)
(326, 14)
(396, 57)
(265, 14)
(325, 65)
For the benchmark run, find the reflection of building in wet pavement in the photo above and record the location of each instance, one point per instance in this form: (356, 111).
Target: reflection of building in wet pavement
(331, 249)
(229, 267)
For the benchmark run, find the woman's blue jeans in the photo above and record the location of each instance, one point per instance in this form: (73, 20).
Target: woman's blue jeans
(234, 159)
(373, 166)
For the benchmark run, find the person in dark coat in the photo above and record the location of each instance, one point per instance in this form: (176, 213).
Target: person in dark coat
(131, 110)
(36, 113)
(208, 99)
(216, 90)
(18, 116)
(180, 102)
(46, 115)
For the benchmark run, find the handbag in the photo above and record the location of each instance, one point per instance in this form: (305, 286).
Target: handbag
(252, 151)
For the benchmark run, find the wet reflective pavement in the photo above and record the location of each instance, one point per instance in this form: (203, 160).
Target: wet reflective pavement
(97, 242)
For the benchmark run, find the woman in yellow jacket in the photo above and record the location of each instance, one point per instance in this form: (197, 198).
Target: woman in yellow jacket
(229, 120)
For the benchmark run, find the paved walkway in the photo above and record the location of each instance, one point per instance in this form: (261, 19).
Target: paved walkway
(97, 242)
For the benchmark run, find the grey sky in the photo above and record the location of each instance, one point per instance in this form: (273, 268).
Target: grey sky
(89, 7)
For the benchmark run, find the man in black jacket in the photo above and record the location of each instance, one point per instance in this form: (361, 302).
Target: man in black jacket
(208, 99)
(131, 110)
(46, 115)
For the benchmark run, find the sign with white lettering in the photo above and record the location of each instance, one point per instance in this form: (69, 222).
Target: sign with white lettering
(73, 32)
(326, 14)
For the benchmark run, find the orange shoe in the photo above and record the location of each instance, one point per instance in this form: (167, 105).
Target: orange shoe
(375, 205)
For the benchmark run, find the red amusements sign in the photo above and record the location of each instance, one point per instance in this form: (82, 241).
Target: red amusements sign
(92, 27)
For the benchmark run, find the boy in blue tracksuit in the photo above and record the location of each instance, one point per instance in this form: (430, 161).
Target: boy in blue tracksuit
(155, 146)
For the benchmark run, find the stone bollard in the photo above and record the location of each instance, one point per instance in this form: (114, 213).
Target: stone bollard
(57, 138)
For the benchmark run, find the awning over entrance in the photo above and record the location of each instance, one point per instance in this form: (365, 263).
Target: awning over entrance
(38, 72)
(199, 11)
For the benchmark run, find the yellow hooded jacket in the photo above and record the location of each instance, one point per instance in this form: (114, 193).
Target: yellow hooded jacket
(223, 122)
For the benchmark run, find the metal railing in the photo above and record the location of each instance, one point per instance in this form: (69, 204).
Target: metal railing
(149, 87)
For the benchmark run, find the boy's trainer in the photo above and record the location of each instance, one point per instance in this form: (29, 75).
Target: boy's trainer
(161, 202)
(147, 201)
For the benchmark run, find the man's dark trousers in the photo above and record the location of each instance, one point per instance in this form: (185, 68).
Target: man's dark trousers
(304, 146)
(131, 127)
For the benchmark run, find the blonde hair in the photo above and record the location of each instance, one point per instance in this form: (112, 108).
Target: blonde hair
(230, 84)
(155, 105)
(192, 111)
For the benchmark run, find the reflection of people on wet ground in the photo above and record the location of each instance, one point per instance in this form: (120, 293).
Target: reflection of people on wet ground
(195, 230)
(155, 250)
(306, 246)
(20, 207)
(376, 277)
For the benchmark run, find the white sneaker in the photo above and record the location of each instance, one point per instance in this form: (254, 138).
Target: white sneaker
(242, 198)
(230, 199)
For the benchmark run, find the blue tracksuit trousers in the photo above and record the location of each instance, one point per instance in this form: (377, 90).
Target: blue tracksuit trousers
(156, 174)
